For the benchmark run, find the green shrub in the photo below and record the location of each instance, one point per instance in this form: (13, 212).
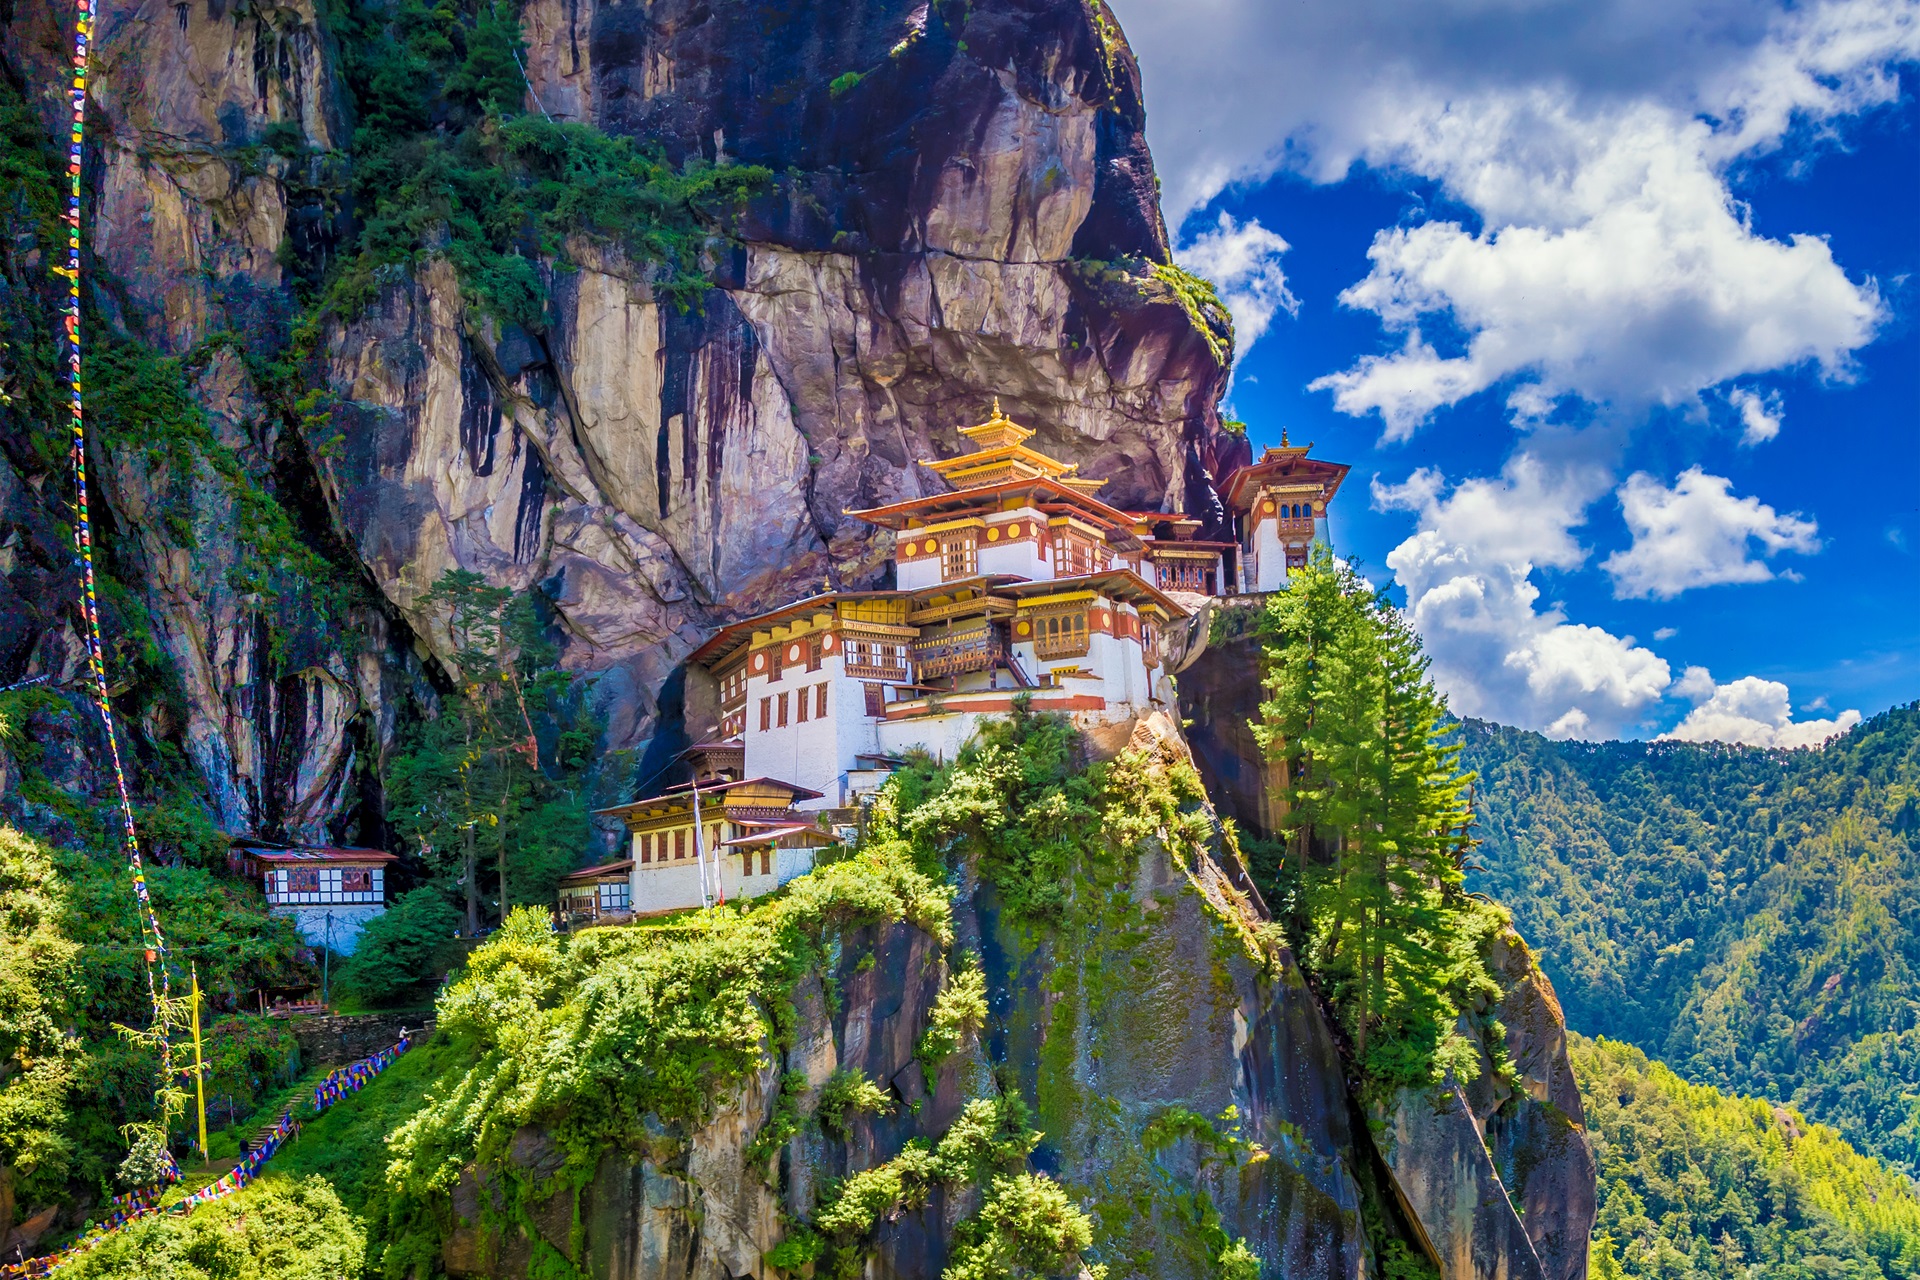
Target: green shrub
(959, 1011)
(846, 1094)
(392, 961)
(1028, 1227)
(278, 1228)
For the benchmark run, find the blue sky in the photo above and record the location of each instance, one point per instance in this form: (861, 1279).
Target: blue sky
(1611, 308)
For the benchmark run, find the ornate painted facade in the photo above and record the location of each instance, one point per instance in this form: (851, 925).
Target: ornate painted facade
(1014, 581)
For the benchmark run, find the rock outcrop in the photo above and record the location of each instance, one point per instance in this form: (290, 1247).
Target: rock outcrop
(1164, 1015)
(964, 208)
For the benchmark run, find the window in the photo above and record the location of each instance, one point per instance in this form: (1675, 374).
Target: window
(805, 703)
(766, 714)
(1296, 557)
(1074, 556)
(871, 657)
(356, 880)
(644, 842)
(733, 688)
(820, 701)
(814, 652)
(1061, 635)
(679, 843)
(876, 699)
(783, 711)
(766, 862)
(774, 653)
(616, 896)
(958, 558)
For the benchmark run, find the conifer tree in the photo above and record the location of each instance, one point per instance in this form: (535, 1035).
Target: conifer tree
(1367, 775)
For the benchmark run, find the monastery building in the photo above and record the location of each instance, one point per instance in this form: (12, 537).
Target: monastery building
(1015, 581)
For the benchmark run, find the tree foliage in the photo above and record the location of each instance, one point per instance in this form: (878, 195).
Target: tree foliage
(447, 159)
(392, 960)
(492, 787)
(276, 1229)
(1698, 1185)
(1748, 916)
(1375, 824)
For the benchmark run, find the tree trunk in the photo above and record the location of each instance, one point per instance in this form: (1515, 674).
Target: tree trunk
(473, 887)
(500, 860)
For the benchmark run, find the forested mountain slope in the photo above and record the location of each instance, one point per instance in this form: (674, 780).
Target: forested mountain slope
(1698, 1185)
(1751, 917)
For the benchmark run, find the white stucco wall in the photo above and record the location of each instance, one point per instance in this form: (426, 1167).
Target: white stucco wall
(817, 754)
(676, 887)
(343, 935)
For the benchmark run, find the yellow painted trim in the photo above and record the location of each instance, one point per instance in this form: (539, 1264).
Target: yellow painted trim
(1063, 597)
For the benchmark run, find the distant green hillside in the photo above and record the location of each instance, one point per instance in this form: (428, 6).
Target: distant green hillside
(1698, 1185)
(1751, 917)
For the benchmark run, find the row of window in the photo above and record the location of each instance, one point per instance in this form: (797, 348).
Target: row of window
(680, 848)
(780, 705)
(1185, 575)
(325, 880)
(675, 845)
(1073, 555)
(869, 659)
(780, 655)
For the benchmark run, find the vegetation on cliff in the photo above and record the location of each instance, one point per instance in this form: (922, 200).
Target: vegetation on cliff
(446, 160)
(1369, 875)
(1699, 1185)
(1748, 916)
(68, 976)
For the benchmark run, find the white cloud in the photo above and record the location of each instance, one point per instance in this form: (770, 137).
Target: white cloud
(1749, 710)
(1697, 534)
(1665, 633)
(1592, 143)
(1759, 415)
(1243, 260)
(1467, 573)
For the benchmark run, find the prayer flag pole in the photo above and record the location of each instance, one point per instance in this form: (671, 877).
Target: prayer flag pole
(199, 1069)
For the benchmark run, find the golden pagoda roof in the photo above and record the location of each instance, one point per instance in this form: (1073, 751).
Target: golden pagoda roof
(1000, 454)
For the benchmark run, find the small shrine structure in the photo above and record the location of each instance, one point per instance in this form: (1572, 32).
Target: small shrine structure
(328, 892)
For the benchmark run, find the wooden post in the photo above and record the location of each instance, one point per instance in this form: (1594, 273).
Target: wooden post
(199, 1068)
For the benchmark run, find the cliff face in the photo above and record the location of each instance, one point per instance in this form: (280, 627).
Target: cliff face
(954, 185)
(1187, 1085)
(1107, 1033)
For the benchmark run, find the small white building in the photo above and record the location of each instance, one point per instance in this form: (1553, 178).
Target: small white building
(748, 839)
(1280, 504)
(329, 893)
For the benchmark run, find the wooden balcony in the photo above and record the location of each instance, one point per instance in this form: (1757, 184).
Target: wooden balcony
(974, 649)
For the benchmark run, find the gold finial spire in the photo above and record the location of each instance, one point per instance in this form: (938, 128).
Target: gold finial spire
(1283, 438)
(997, 415)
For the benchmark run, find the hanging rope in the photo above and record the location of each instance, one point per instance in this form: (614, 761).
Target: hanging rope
(156, 943)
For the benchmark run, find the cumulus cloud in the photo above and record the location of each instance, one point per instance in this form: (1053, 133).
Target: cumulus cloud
(1759, 415)
(1592, 143)
(1749, 710)
(1697, 534)
(1243, 260)
(1468, 576)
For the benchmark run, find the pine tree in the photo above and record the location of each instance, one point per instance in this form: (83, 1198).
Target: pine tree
(473, 778)
(1367, 775)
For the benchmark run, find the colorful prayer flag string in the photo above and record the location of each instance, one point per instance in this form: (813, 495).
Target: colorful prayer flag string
(138, 1204)
(158, 990)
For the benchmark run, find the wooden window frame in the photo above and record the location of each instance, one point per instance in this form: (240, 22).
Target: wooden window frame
(959, 554)
(782, 707)
(820, 701)
(766, 713)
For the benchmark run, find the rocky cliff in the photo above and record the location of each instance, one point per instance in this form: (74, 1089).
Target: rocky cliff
(959, 205)
(962, 206)
(1181, 1074)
